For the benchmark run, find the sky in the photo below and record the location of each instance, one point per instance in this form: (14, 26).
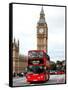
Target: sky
(25, 19)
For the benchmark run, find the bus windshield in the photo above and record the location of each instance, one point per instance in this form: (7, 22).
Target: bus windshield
(34, 61)
(33, 54)
(35, 69)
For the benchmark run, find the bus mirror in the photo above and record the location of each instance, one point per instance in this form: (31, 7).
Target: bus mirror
(45, 68)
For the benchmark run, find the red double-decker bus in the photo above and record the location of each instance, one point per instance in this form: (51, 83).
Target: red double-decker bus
(38, 66)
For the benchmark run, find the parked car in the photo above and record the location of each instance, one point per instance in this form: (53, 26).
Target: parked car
(20, 74)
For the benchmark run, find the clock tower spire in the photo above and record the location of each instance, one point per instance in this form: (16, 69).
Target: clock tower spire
(42, 32)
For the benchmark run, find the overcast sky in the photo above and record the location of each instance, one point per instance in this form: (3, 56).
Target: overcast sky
(25, 18)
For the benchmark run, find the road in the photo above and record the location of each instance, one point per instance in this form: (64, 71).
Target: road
(54, 79)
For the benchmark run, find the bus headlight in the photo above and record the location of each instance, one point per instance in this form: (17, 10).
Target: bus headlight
(41, 76)
(28, 76)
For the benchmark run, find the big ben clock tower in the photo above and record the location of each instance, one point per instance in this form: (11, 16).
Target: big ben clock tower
(42, 32)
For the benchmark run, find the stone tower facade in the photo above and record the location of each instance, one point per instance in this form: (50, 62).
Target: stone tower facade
(42, 32)
(19, 61)
(15, 56)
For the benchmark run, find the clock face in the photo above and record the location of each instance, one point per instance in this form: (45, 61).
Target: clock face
(41, 31)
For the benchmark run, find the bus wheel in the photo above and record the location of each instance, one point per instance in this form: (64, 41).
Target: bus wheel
(47, 76)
